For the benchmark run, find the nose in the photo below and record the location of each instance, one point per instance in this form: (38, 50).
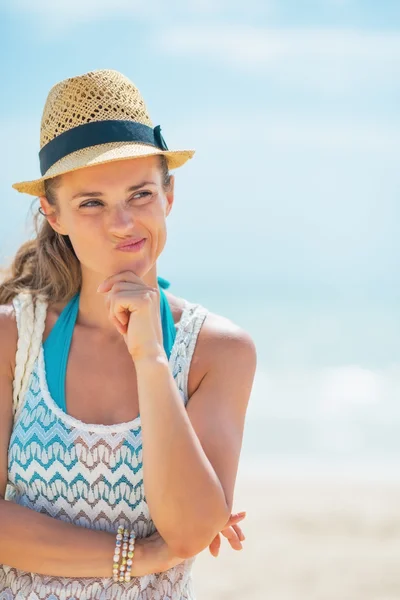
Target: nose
(121, 220)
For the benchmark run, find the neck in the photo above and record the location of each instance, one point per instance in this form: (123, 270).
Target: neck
(92, 305)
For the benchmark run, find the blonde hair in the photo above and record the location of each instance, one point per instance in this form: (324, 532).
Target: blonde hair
(47, 265)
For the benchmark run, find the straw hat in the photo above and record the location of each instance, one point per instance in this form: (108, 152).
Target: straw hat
(96, 118)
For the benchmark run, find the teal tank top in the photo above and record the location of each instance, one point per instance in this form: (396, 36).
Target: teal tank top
(57, 345)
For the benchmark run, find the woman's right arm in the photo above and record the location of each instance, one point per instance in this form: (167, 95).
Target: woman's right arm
(37, 543)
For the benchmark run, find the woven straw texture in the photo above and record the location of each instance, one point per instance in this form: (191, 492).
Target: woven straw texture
(95, 96)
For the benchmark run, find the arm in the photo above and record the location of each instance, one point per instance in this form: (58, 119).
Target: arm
(38, 543)
(191, 456)
(31, 541)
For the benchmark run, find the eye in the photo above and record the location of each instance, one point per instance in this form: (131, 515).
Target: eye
(90, 203)
(141, 195)
(145, 195)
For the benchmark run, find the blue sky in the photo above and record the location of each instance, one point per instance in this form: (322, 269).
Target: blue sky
(287, 219)
(292, 107)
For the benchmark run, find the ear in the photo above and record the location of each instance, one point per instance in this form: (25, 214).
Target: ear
(170, 196)
(51, 215)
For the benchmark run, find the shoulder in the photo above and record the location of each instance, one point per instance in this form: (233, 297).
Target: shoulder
(223, 341)
(221, 344)
(217, 329)
(9, 338)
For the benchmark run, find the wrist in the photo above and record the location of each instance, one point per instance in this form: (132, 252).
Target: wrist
(150, 357)
(153, 555)
(149, 558)
(140, 560)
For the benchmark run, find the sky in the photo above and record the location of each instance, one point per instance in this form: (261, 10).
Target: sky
(287, 218)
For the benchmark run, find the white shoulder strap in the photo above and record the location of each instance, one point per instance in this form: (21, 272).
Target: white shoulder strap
(31, 317)
(192, 319)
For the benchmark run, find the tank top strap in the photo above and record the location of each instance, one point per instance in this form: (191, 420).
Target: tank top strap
(192, 319)
(31, 317)
(168, 324)
(56, 350)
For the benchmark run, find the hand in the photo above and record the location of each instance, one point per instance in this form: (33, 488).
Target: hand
(155, 556)
(232, 532)
(134, 308)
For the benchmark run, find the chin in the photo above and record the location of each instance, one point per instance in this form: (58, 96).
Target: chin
(129, 264)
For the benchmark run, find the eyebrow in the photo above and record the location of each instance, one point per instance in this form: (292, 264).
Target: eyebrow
(132, 188)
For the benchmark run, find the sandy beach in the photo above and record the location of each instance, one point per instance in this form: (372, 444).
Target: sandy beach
(309, 539)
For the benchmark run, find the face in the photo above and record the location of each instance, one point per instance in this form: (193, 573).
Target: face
(104, 206)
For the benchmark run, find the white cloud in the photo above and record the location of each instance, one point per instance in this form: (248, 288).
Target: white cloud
(340, 410)
(293, 131)
(324, 393)
(246, 44)
(328, 58)
(62, 14)
(337, 3)
(347, 387)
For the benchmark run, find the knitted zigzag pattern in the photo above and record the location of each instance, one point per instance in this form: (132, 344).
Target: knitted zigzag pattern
(87, 474)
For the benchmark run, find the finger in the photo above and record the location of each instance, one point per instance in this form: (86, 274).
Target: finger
(107, 284)
(124, 301)
(127, 276)
(121, 312)
(118, 312)
(229, 533)
(129, 286)
(121, 328)
(232, 538)
(239, 532)
(215, 545)
(235, 518)
(127, 293)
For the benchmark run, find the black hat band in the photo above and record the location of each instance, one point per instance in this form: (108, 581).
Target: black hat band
(98, 132)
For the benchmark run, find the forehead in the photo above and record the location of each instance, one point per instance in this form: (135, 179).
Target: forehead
(112, 174)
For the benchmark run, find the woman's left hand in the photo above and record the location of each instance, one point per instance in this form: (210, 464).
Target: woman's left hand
(156, 556)
(232, 532)
(134, 308)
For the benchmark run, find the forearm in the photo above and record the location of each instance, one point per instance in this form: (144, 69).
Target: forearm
(37, 543)
(185, 497)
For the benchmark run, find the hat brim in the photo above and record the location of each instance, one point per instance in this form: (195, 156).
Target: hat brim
(103, 153)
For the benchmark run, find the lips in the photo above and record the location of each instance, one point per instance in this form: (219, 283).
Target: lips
(129, 243)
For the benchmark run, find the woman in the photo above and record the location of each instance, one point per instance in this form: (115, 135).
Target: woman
(116, 479)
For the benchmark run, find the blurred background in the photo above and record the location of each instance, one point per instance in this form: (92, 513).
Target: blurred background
(286, 221)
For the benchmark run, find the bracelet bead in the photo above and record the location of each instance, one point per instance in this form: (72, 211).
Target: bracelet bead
(122, 567)
(129, 561)
(123, 554)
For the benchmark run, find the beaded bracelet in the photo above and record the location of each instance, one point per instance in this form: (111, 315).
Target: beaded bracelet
(124, 550)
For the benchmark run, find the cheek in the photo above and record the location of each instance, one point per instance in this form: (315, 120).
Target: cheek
(160, 233)
(85, 233)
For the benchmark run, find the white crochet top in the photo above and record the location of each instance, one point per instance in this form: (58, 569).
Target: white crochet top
(87, 474)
